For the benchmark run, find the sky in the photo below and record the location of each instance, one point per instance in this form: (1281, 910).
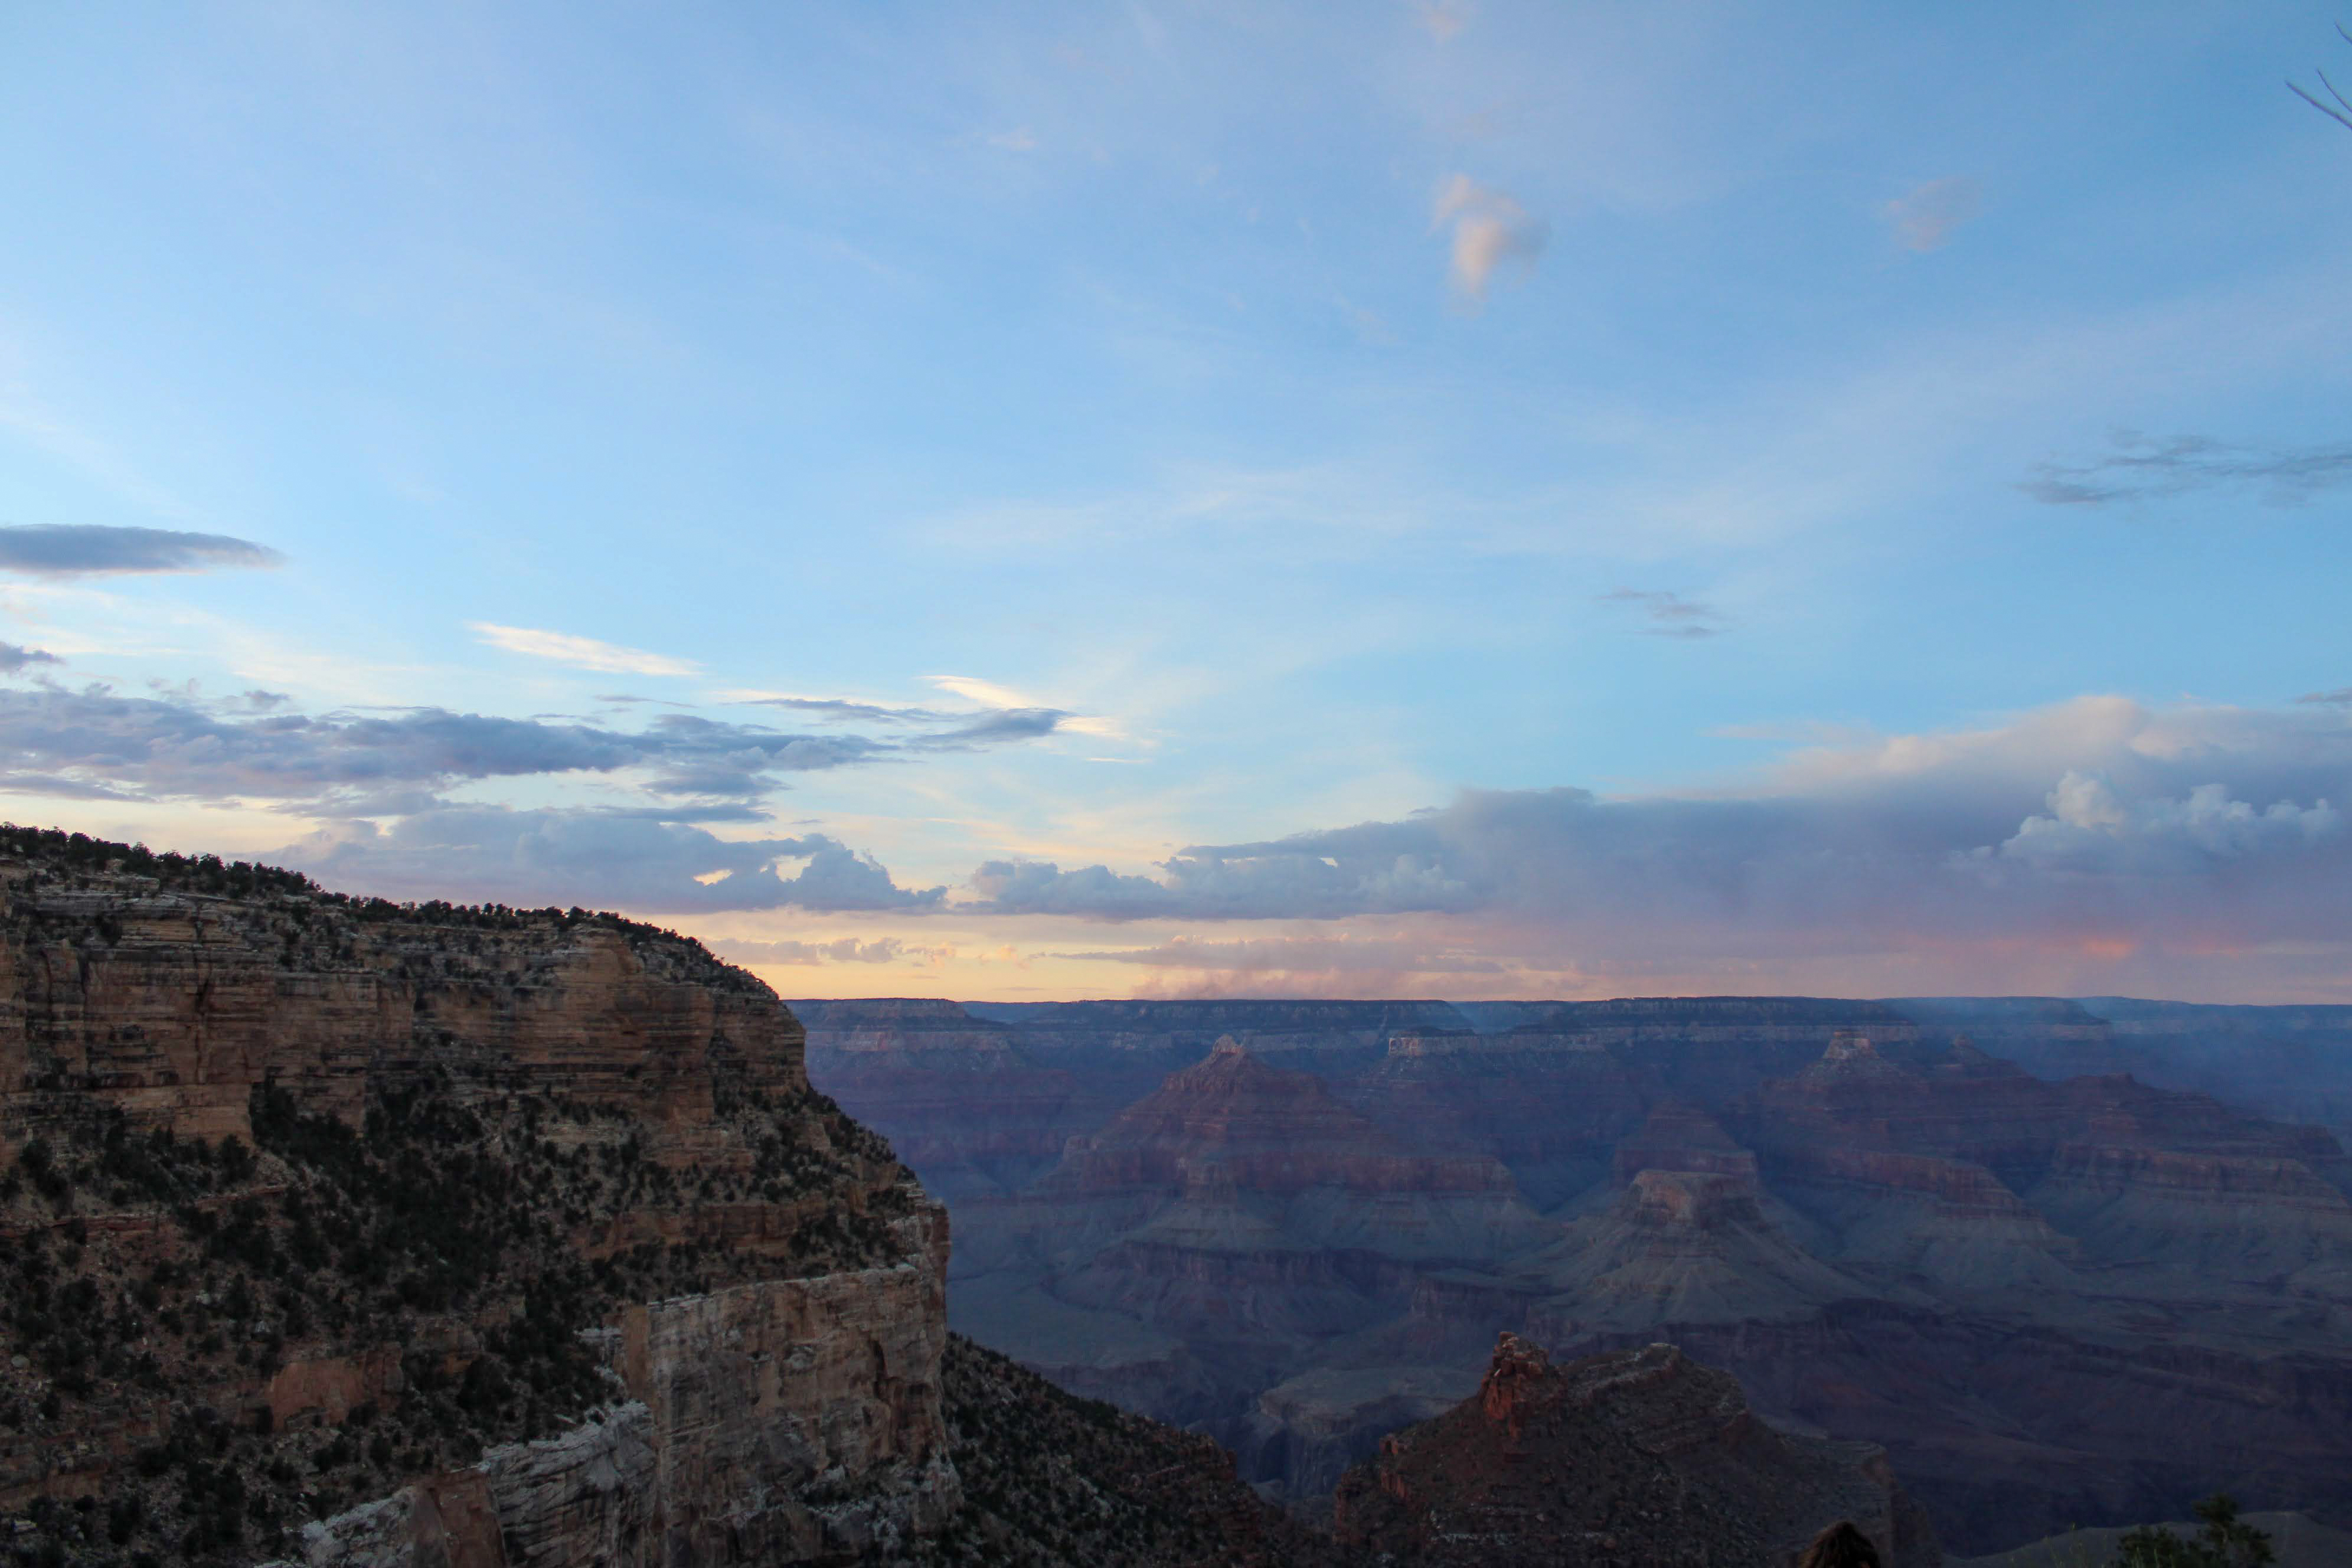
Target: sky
(1465, 500)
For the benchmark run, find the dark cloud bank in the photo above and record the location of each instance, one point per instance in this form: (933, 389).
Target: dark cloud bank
(75, 550)
(2214, 826)
(2097, 820)
(354, 769)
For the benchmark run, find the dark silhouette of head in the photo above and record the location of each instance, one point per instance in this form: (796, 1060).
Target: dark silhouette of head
(1839, 1546)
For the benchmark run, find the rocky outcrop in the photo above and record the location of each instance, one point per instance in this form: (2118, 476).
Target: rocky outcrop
(469, 1235)
(1640, 1457)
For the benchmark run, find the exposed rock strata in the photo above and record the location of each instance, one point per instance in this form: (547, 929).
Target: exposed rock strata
(1885, 1232)
(1642, 1457)
(326, 1207)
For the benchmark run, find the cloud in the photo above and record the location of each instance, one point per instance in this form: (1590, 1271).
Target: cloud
(1669, 614)
(2138, 468)
(2339, 698)
(1404, 953)
(1927, 219)
(987, 693)
(75, 550)
(836, 707)
(1401, 962)
(580, 653)
(2200, 823)
(2090, 828)
(13, 658)
(841, 950)
(995, 728)
(1019, 138)
(599, 859)
(174, 747)
(1489, 229)
(1445, 19)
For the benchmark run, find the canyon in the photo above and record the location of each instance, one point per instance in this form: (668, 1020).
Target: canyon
(1548, 1463)
(2084, 1293)
(355, 1235)
(351, 1234)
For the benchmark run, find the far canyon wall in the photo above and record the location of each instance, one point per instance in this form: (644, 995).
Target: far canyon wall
(2061, 1296)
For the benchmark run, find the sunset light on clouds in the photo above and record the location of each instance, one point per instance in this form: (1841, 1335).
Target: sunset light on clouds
(1533, 500)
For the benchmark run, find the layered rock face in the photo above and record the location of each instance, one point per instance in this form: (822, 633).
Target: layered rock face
(959, 1099)
(365, 1233)
(1885, 1232)
(1640, 1457)
(1239, 1216)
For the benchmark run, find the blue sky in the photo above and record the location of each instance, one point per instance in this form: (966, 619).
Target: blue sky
(1291, 417)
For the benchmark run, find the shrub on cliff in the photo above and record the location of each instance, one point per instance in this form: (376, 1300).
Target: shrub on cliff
(2224, 1542)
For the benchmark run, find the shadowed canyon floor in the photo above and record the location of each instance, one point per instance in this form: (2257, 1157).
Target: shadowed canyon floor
(2055, 1297)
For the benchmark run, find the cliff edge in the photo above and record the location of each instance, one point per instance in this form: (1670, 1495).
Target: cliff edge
(343, 1231)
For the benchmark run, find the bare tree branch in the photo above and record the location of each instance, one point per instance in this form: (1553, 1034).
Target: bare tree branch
(2340, 111)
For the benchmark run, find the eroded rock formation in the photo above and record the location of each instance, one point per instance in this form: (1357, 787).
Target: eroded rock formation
(1640, 1457)
(1886, 1232)
(367, 1234)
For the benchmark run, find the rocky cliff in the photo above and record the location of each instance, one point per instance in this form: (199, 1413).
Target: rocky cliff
(1642, 1456)
(372, 1234)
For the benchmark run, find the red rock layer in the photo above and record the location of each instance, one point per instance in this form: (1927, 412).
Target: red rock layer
(1641, 1457)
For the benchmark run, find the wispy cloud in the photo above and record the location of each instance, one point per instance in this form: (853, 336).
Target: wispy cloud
(13, 658)
(841, 950)
(1490, 229)
(1927, 218)
(971, 688)
(842, 708)
(79, 549)
(1013, 708)
(1668, 614)
(580, 653)
(1443, 18)
(175, 746)
(2138, 468)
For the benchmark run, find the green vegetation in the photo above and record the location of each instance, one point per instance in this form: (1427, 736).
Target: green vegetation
(449, 1221)
(76, 859)
(1054, 1480)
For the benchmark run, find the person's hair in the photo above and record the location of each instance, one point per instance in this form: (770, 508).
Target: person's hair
(1839, 1546)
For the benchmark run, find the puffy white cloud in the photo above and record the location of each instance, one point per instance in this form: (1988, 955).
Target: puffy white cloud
(2090, 828)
